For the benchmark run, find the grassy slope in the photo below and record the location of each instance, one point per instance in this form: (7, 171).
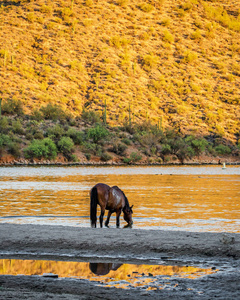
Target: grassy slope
(175, 61)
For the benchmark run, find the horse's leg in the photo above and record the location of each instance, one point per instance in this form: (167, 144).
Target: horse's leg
(118, 213)
(108, 218)
(101, 217)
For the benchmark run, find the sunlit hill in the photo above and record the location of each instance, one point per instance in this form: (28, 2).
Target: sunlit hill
(171, 64)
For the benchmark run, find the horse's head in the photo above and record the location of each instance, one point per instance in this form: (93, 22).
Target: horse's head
(128, 215)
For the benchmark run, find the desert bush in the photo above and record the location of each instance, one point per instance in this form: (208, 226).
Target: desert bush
(118, 41)
(119, 148)
(14, 149)
(46, 9)
(90, 147)
(168, 37)
(105, 156)
(75, 135)
(90, 116)
(17, 127)
(196, 35)
(65, 13)
(89, 3)
(222, 149)
(66, 145)
(146, 7)
(88, 156)
(37, 115)
(4, 141)
(148, 139)
(149, 61)
(198, 144)
(4, 124)
(165, 149)
(190, 57)
(38, 135)
(45, 148)
(97, 133)
(55, 132)
(187, 6)
(31, 17)
(12, 107)
(180, 148)
(165, 22)
(134, 158)
(54, 112)
(126, 141)
(122, 3)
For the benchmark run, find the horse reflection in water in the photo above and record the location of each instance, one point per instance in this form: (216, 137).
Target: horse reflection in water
(103, 268)
(112, 199)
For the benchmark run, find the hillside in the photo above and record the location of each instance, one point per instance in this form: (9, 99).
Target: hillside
(173, 63)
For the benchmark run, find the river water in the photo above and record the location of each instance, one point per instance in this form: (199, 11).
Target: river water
(191, 198)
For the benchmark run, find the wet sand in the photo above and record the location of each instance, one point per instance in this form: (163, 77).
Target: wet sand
(121, 245)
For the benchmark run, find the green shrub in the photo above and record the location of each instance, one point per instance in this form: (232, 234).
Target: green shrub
(105, 156)
(180, 148)
(17, 127)
(166, 149)
(134, 158)
(45, 148)
(55, 132)
(76, 136)
(37, 115)
(198, 144)
(66, 145)
(73, 158)
(29, 136)
(126, 141)
(88, 156)
(119, 148)
(97, 133)
(53, 112)
(12, 107)
(4, 141)
(38, 135)
(90, 147)
(222, 149)
(90, 117)
(4, 124)
(14, 149)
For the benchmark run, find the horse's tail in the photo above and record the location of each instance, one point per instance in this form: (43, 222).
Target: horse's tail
(93, 206)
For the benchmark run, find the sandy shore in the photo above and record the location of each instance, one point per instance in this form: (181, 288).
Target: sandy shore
(122, 245)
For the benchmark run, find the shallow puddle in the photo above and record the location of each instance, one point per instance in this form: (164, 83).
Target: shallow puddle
(107, 274)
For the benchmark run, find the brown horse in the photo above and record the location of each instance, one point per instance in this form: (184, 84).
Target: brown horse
(112, 199)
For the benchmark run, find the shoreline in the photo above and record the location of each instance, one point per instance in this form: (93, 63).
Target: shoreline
(120, 242)
(102, 164)
(219, 251)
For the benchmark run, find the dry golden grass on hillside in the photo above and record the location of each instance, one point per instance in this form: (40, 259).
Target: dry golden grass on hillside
(178, 61)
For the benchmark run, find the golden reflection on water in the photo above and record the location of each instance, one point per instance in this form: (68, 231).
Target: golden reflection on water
(109, 274)
(159, 200)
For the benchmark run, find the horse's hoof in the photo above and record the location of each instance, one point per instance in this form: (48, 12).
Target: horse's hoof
(128, 226)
